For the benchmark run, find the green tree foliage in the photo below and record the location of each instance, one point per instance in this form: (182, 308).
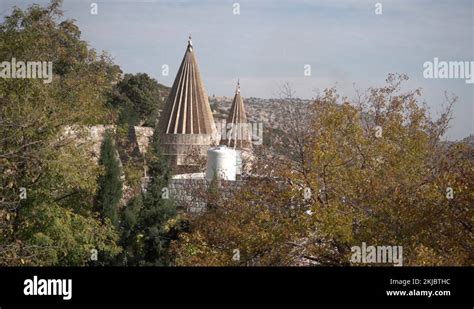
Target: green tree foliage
(128, 227)
(157, 218)
(42, 145)
(110, 184)
(138, 99)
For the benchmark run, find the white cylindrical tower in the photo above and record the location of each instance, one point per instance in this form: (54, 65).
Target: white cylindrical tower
(221, 161)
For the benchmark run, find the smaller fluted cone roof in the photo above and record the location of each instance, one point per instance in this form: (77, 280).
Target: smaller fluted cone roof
(240, 135)
(237, 110)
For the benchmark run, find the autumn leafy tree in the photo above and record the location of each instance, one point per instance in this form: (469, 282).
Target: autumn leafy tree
(43, 153)
(374, 170)
(110, 183)
(253, 228)
(378, 170)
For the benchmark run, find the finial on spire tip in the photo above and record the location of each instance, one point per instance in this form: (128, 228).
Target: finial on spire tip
(190, 42)
(238, 86)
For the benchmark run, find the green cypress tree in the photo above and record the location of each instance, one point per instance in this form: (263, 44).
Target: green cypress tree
(131, 254)
(110, 184)
(157, 224)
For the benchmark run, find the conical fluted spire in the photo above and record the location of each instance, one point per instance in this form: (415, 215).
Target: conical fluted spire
(187, 110)
(186, 123)
(237, 110)
(237, 121)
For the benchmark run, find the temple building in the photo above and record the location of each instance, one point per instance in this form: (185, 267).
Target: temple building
(186, 124)
(186, 128)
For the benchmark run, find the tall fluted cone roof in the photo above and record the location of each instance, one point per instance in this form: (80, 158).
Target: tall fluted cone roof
(187, 109)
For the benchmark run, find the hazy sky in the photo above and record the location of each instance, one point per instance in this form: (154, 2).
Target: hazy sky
(270, 42)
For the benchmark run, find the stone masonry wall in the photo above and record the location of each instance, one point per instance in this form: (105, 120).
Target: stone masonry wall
(191, 194)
